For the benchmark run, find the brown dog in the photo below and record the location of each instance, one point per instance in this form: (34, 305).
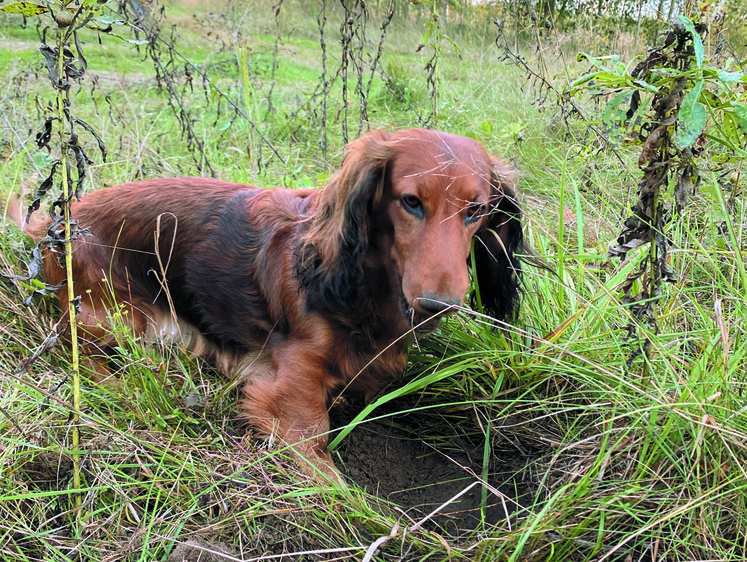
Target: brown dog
(301, 293)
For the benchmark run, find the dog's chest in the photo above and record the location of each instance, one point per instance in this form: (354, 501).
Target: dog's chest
(367, 371)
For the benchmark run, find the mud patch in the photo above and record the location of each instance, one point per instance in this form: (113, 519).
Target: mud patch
(420, 476)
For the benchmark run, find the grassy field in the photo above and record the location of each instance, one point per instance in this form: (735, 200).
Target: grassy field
(573, 444)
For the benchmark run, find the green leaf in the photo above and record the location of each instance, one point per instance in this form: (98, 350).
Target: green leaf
(712, 100)
(726, 159)
(427, 35)
(584, 79)
(697, 41)
(740, 110)
(126, 39)
(614, 117)
(26, 9)
(610, 79)
(692, 117)
(730, 126)
(646, 86)
(110, 20)
(454, 46)
(599, 61)
(726, 76)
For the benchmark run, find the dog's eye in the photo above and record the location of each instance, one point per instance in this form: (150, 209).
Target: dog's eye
(413, 205)
(474, 213)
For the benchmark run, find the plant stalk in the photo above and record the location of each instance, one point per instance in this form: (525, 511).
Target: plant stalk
(66, 197)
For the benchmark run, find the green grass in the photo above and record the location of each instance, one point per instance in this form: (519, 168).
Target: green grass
(617, 463)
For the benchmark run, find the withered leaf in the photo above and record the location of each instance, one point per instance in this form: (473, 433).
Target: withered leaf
(45, 135)
(46, 290)
(42, 191)
(622, 249)
(87, 127)
(34, 267)
(48, 344)
(653, 143)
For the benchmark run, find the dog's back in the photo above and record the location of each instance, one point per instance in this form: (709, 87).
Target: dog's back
(176, 253)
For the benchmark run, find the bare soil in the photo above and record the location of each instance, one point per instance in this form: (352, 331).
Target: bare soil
(423, 477)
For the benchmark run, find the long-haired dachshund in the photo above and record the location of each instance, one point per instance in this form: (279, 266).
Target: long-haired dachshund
(301, 293)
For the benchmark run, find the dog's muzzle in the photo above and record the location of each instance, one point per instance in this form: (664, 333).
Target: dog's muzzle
(428, 317)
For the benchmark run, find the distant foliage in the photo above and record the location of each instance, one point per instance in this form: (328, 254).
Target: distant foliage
(605, 20)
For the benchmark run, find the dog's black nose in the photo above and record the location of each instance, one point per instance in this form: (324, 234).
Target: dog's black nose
(435, 305)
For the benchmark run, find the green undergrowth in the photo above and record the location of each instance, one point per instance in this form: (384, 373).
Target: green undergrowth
(617, 461)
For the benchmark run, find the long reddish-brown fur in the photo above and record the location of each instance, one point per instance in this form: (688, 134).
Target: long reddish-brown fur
(300, 293)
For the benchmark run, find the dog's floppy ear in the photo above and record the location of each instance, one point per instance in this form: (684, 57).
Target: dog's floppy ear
(497, 267)
(331, 250)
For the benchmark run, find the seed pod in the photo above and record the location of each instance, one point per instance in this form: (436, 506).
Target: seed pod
(64, 17)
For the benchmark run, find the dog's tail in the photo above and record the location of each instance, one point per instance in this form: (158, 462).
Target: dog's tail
(15, 211)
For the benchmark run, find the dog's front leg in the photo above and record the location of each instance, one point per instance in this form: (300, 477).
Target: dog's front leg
(290, 405)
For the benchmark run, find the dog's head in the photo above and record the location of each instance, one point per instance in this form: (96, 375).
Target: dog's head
(424, 198)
